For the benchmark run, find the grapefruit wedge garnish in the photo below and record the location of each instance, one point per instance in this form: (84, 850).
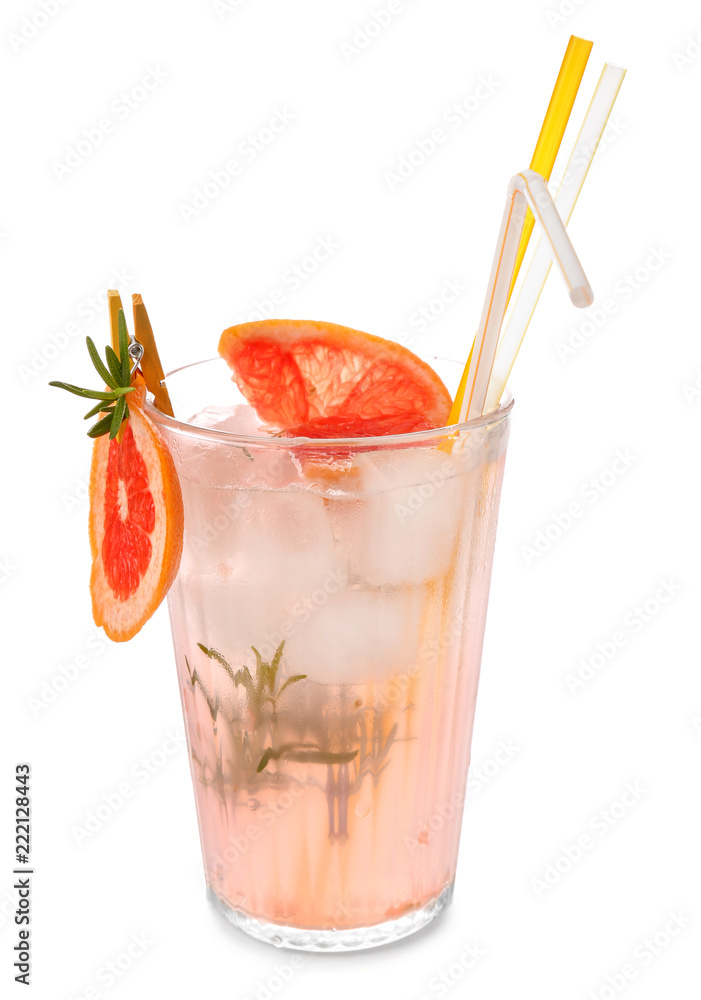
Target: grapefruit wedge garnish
(136, 523)
(136, 506)
(316, 379)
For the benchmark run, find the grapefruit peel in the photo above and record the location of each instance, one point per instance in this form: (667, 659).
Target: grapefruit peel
(318, 379)
(136, 509)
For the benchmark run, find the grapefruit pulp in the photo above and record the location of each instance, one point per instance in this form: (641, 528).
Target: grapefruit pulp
(136, 523)
(317, 379)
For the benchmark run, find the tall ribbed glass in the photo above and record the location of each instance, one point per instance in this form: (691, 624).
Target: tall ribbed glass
(328, 619)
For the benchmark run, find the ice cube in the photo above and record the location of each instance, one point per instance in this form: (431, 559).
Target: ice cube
(358, 635)
(235, 419)
(255, 573)
(231, 464)
(223, 612)
(405, 526)
(218, 479)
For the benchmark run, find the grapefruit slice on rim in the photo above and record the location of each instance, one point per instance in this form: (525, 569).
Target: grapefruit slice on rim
(343, 425)
(136, 523)
(317, 379)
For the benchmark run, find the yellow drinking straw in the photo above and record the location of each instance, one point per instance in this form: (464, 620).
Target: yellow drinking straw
(554, 125)
(543, 160)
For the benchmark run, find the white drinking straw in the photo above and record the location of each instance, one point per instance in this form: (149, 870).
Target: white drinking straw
(525, 189)
(577, 168)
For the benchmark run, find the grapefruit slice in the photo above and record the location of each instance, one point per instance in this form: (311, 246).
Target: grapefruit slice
(342, 425)
(318, 379)
(136, 523)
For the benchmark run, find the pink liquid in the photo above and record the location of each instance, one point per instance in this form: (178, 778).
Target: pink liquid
(358, 819)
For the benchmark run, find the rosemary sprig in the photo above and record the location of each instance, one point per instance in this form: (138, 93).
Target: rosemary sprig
(265, 677)
(305, 753)
(117, 375)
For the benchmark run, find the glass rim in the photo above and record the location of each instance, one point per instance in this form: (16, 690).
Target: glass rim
(496, 415)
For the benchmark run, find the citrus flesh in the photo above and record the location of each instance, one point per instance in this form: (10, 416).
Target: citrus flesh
(343, 425)
(136, 523)
(317, 379)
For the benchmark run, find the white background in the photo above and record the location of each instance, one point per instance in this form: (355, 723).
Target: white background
(630, 386)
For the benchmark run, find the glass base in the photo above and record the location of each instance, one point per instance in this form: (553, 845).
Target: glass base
(346, 939)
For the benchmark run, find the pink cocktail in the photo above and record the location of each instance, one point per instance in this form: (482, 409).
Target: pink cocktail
(328, 620)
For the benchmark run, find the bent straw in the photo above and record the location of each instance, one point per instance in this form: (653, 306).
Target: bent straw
(577, 168)
(553, 129)
(544, 155)
(527, 189)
